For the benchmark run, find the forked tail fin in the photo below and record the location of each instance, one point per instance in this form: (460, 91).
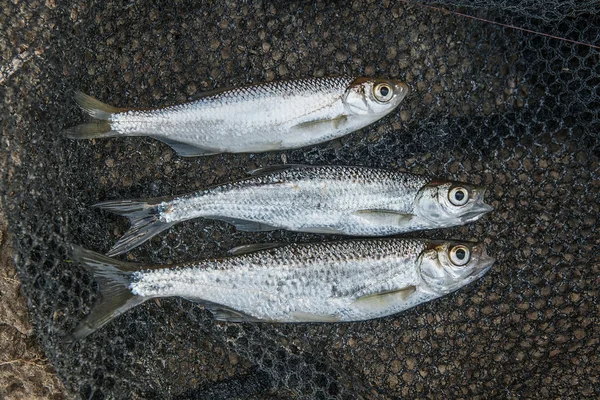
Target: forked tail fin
(100, 127)
(144, 218)
(113, 277)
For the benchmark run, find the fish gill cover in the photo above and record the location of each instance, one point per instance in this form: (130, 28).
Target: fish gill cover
(489, 105)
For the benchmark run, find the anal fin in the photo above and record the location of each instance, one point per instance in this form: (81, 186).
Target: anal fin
(302, 316)
(223, 313)
(245, 225)
(187, 150)
(229, 315)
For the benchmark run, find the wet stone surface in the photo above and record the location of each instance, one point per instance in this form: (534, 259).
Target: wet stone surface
(513, 111)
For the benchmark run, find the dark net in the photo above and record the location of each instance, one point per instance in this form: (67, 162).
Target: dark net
(515, 111)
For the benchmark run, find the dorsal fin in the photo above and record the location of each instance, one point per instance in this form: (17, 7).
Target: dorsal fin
(251, 248)
(209, 93)
(276, 168)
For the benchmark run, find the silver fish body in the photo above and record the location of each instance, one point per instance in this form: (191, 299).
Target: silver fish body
(322, 282)
(271, 116)
(320, 199)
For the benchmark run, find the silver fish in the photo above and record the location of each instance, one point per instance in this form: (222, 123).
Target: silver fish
(271, 116)
(319, 199)
(322, 282)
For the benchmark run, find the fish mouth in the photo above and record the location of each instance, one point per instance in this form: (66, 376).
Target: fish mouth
(477, 212)
(485, 264)
(480, 208)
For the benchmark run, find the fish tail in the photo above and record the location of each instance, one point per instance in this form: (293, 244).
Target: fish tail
(113, 278)
(144, 218)
(102, 114)
(91, 130)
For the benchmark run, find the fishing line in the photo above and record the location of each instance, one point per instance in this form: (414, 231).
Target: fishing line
(503, 25)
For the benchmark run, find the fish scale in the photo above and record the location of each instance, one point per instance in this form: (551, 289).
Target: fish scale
(355, 201)
(264, 117)
(290, 197)
(316, 282)
(303, 94)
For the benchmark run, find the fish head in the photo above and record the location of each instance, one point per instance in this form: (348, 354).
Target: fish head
(374, 97)
(446, 266)
(444, 204)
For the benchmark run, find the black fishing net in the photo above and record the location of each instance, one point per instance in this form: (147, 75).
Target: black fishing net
(490, 105)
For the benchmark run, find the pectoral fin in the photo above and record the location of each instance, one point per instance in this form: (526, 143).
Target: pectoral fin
(384, 299)
(251, 248)
(381, 217)
(320, 124)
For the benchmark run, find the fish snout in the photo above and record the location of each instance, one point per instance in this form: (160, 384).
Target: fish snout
(484, 263)
(479, 207)
(402, 90)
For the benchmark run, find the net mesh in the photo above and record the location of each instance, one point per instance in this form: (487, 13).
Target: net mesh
(515, 111)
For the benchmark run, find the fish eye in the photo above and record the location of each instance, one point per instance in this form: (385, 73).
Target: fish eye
(383, 92)
(459, 196)
(460, 255)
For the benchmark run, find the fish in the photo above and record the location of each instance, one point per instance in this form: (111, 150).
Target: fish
(263, 117)
(356, 201)
(339, 281)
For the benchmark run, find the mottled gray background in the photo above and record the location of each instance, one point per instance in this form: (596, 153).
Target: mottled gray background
(515, 111)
